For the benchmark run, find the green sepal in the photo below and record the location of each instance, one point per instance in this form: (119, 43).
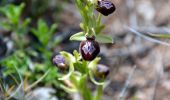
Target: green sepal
(67, 89)
(92, 78)
(71, 70)
(93, 64)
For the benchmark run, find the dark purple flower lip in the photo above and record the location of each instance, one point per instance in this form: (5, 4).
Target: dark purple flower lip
(105, 7)
(89, 49)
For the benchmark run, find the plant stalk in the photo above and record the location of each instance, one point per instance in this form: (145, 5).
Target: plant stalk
(99, 92)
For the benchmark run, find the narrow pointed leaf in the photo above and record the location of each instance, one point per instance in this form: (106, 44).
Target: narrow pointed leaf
(78, 36)
(165, 36)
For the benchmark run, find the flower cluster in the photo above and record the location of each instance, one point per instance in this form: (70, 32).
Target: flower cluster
(83, 65)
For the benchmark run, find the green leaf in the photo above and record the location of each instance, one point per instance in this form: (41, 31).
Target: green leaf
(42, 26)
(43, 32)
(80, 36)
(5, 25)
(12, 12)
(101, 38)
(165, 36)
(26, 22)
(52, 29)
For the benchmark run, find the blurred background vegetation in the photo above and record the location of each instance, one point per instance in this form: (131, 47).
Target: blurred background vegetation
(27, 30)
(31, 31)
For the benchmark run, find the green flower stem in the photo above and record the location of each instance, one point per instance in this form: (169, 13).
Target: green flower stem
(81, 85)
(84, 90)
(99, 92)
(86, 9)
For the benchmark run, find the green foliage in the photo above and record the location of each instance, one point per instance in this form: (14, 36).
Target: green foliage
(27, 68)
(12, 12)
(13, 22)
(43, 32)
(20, 61)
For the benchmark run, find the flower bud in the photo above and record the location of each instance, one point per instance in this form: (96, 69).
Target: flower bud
(101, 71)
(59, 61)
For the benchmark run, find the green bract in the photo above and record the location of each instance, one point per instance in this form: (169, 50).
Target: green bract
(78, 74)
(91, 25)
(101, 38)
